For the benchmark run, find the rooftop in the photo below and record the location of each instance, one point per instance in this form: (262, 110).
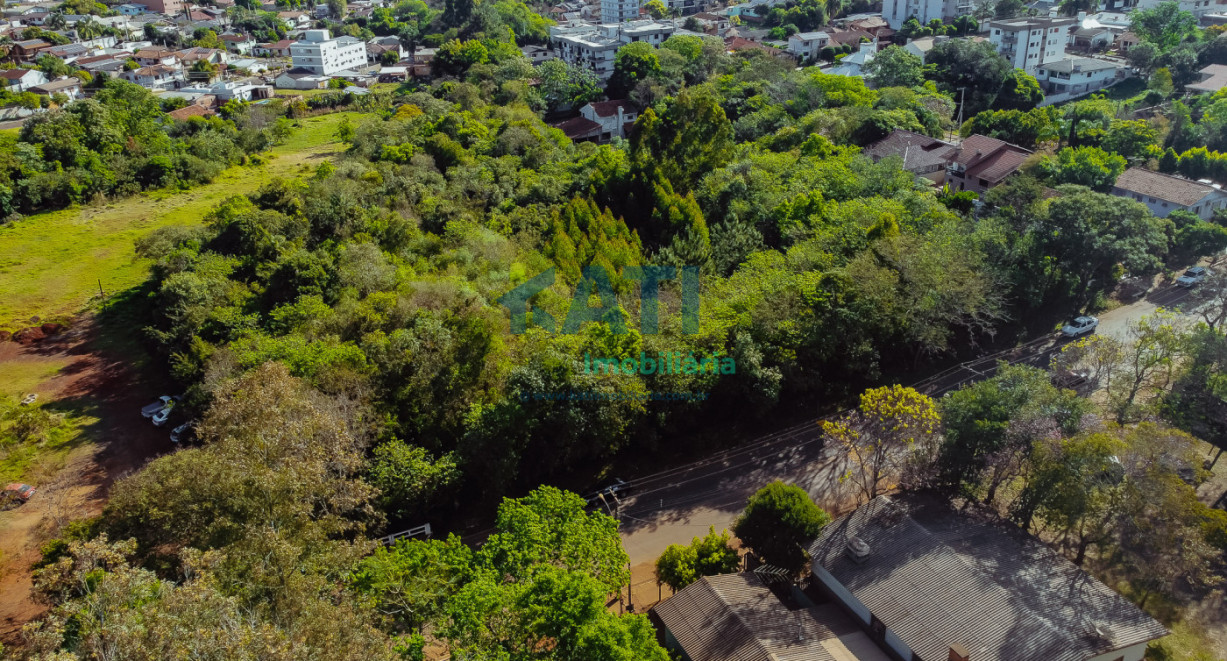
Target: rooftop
(610, 108)
(937, 576)
(579, 127)
(1082, 64)
(1214, 78)
(919, 151)
(1164, 187)
(739, 618)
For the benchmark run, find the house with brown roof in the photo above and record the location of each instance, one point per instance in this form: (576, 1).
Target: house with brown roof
(158, 76)
(741, 617)
(921, 155)
(580, 129)
(20, 80)
(189, 111)
(983, 162)
(1163, 194)
(28, 49)
(148, 57)
(932, 582)
(274, 49)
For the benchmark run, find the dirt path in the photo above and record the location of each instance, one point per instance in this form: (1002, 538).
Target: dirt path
(110, 393)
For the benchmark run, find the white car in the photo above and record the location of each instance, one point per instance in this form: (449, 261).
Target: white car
(153, 409)
(1080, 326)
(1192, 277)
(160, 417)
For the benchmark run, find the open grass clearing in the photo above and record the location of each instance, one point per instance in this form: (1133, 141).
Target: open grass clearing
(52, 264)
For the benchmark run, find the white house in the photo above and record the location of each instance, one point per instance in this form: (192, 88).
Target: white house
(319, 53)
(70, 87)
(20, 80)
(156, 77)
(231, 90)
(238, 43)
(1077, 75)
(854, 64)
(806, 45)
(1029, 42)
(614, 117)
(1163, 194)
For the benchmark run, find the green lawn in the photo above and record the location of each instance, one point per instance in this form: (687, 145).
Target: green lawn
(51, 263)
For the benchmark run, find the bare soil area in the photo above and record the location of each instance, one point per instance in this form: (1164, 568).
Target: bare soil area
(105, 387)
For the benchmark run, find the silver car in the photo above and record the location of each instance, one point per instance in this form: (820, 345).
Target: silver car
(1083, 325)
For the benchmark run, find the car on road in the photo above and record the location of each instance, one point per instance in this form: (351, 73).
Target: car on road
(1192, 277)
(1081, 326)
(153, 409)
(15, 494)
(615, 489)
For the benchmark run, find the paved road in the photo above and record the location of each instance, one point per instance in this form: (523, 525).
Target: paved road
(675, 505)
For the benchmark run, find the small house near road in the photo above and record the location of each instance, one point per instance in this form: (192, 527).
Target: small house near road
(1163, 193)
(738, 617)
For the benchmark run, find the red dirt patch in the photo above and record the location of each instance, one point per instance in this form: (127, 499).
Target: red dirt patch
(103, 386)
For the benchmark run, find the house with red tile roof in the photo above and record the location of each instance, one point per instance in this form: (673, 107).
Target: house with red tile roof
(983, 162)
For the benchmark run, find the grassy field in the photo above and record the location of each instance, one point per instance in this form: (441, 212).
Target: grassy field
(51, 263)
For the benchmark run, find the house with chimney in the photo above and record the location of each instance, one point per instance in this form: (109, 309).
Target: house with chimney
(931, 582)
(983, 162)
(615, 117)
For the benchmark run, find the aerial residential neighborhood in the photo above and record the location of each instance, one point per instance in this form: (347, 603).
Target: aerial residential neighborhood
(613, 330)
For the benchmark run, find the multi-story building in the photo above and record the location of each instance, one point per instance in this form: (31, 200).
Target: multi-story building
(619, 11)
(1198, 8)
(164, 6)
(1077, 75)
(320, 54)
(594, 46)
(1163, 194)
(1029, 42)
(806, 45)
(897, 12)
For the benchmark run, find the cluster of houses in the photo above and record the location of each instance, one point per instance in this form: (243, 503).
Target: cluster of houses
(910, 578)
(241, 68)
(980, 163)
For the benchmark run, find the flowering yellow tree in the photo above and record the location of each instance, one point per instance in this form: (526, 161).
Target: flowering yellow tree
(891, 425)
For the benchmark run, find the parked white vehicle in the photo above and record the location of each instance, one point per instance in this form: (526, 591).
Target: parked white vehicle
(1193, 277)
(152, 409)
(160, 417)
(1081, 326)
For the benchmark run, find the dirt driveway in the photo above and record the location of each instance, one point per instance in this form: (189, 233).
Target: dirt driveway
(76, 375)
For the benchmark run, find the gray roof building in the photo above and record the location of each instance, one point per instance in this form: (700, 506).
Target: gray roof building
(737, 617)
(943, 583)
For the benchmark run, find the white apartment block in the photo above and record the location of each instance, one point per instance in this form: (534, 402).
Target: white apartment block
(897, 12)
(1198, 8)
(320, 54)
(594, 46)
(1029, 42)
(619, 11)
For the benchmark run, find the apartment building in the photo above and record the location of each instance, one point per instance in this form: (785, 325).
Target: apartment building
(319, 53)
(1029, 42)
(594, 46)
(897, 12)
(619, 11)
